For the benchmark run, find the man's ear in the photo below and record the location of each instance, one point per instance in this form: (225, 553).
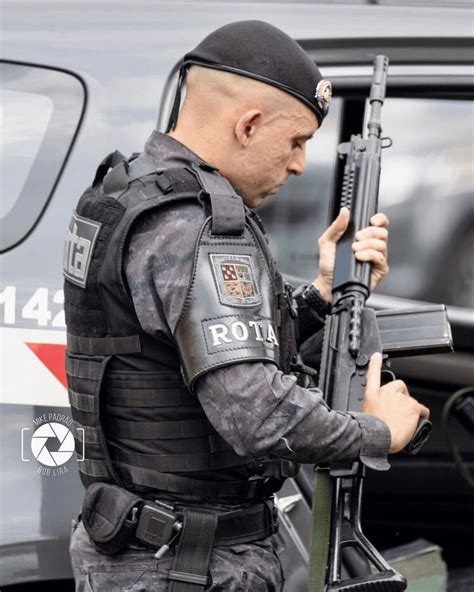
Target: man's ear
(246, 126)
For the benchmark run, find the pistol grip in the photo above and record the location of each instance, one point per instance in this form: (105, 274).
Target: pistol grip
(420, 437)
(423, 429)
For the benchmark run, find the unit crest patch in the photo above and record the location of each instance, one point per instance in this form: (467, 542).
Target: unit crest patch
(235, 279)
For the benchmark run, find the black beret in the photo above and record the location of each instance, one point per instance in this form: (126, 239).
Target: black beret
(261, 51)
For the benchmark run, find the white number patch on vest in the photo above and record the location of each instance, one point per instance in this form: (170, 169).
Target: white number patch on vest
(78, 248)
(235, 279)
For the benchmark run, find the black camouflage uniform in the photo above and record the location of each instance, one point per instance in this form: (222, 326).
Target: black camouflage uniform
(256, 408)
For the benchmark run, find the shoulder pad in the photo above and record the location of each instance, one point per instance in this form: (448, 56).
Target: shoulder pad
(229, 314)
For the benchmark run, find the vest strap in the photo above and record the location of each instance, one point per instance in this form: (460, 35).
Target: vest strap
(104, 346)
(116, 181)
(228, 214)
(94, 468)
(83, 402)
(84, 368)
(110, 161)
(253, 488)
(92, 370)
(163, 430)
(172, 397)
(177, 447)
(139, 167)
(148, 380)
(164, 182)
(85, 434)
(181, 463)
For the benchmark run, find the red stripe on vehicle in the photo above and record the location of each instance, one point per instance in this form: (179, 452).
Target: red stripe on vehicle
(52, 355)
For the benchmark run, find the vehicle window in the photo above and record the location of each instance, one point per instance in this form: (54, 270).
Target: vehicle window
(40, 113)
(21, 139)
(426, 190)
(296, 217)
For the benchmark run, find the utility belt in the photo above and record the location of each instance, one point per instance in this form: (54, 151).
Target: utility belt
(116, 518)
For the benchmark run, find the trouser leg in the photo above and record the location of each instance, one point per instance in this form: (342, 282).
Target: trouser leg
(250, 567)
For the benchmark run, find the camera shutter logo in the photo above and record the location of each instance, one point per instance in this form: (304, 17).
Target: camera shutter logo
(47, 433)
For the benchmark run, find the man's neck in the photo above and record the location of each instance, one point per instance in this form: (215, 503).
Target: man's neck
(205, 149)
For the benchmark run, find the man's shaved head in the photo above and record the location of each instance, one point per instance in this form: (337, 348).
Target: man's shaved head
(220, 88)
(252, 132)
(262, 52)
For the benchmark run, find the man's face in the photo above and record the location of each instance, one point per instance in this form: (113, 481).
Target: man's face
(276, 151)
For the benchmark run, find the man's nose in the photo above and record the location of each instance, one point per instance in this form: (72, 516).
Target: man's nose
(297, 162)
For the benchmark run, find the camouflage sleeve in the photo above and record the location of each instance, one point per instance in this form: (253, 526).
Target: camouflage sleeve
(253, 405)
(261, 412)
(159, 262)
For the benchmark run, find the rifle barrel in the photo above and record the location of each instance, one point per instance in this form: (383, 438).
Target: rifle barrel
(377, 95)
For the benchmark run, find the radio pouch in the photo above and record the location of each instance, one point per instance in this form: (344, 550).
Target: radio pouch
(109, 516)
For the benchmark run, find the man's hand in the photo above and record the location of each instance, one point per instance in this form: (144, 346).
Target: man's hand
(370, 245)
(392, 404)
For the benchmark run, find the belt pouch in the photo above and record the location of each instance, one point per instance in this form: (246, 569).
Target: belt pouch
(106, 511)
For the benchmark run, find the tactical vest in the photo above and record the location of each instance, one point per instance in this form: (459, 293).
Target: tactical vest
(137, 422)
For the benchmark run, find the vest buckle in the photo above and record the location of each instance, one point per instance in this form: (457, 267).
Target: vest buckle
(252, 485)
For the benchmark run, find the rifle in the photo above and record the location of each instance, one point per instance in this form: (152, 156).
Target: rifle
(352, 334)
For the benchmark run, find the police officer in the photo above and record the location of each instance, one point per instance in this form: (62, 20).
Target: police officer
(181, 360)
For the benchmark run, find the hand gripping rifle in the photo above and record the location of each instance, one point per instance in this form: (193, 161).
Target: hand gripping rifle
(352, 334)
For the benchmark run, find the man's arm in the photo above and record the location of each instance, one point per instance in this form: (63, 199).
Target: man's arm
(262, 412)
(252, 405)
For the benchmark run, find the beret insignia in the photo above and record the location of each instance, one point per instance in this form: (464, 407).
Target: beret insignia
(323, 95)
